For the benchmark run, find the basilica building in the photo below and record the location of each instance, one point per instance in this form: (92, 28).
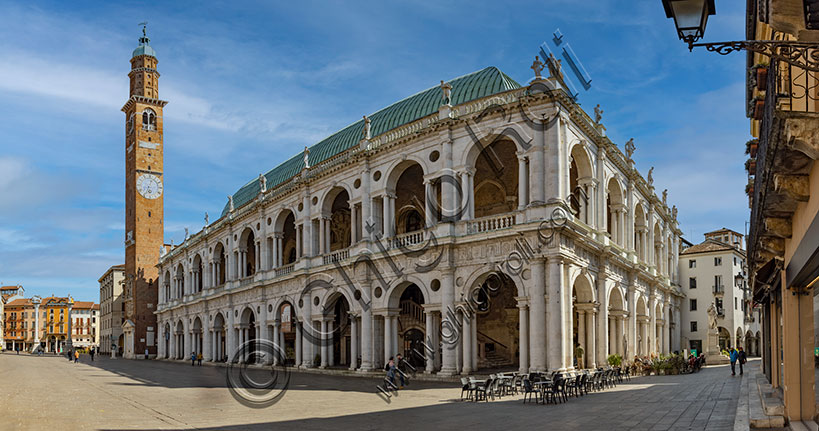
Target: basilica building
(476, 224)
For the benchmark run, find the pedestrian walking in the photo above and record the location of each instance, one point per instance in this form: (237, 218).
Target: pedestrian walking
(742, 358)
(391, 370)
(76, 356)
(733, 355)
(399, 366)
(199, 359)
(91, 352)
(193, 358)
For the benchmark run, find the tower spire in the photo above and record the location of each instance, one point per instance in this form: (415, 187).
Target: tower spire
(144, 40)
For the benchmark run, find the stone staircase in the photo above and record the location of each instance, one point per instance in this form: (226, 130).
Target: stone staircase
(494, 360)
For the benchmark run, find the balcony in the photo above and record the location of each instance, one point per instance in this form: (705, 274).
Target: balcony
(718, 290)
(336, 256)
(788, 147)
(491, 223)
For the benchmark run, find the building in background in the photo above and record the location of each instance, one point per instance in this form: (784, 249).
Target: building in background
(783, 241)
(713, 272)
(85, 324)
(143, 201)
(7, 292)
(112, 308)
(54, 315)
(19, 326)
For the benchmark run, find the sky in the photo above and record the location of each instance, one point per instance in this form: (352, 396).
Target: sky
(250, 83)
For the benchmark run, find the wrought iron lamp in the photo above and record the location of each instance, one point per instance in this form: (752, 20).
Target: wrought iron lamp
(691, 17)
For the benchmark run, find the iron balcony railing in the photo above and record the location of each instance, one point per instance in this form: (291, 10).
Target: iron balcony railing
(718, 290)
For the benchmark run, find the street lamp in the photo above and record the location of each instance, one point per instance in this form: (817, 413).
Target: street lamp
(690, 17)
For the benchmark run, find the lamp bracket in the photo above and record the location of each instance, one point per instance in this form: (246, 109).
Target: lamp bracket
(804, 55)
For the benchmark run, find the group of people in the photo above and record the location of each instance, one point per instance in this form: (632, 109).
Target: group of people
(395, 367)
(74, 354)
(737, 356)
(194, 358)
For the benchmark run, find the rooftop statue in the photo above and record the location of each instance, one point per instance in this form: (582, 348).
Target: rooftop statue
(306, 158)
(598, 115)
(447, 93)
(537, 66)
(630, 147)
(650, 177)
(366, 131)
(262, 183)
(230, 203)
(665, 197)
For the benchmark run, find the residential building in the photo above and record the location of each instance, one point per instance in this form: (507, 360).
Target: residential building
(714, 273)
(480, 205)
(85, 324)
(783, 242)
(7, 292)
(112, 308)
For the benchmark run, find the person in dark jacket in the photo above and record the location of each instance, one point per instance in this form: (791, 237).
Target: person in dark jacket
(742, 358)
(733, 355)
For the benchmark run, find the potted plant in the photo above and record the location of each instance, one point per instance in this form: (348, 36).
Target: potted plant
(758, 107)
(761, 76)
(751, 147)
(750, 166)
(614, 360)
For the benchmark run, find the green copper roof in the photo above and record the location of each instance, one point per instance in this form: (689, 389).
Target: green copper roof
(469, 87)
(144, 50)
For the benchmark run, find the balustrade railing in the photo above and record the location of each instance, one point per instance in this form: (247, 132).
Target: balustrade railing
(407, 239)
(487, 224)
(336, 256)
(284, 270)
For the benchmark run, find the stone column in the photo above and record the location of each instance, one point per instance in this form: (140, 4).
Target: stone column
(632, 322)
(37, 322)
(653, 336)
(428, 344)
(206, 340)
(537, 320)
(524, 338)
(622, 331)
(556, 340)
(307, 333)
(612, 335)
(523, 182)
(366, 338)
(353, 342)
(429, 207)
(591, 348)
(387, 338)
(581, 336)
(275, 340)
(467, 346)
(299, 355)
(325, 349)
(449, 328)
(328, 335)
(602, 316)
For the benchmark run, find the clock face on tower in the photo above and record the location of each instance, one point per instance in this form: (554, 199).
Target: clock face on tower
(149, 186)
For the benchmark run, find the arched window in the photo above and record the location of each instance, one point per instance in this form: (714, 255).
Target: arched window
(149, 119)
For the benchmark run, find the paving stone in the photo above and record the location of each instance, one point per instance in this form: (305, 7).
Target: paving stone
(116, 394)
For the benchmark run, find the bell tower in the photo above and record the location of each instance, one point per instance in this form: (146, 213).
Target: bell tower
(143, 201)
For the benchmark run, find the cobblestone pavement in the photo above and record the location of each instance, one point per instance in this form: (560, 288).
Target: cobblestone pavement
(52, 393)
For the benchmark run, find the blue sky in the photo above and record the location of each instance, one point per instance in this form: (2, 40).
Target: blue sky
(251, 83)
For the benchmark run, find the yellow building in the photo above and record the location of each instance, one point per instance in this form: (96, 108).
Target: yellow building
(783, 188)
(54, 322)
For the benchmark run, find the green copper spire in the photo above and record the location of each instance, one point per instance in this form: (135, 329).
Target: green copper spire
(144, 47)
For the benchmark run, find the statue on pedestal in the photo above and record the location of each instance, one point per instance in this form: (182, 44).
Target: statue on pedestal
(366, 131)
(598, 115)
(650, 177)
(262, 183)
